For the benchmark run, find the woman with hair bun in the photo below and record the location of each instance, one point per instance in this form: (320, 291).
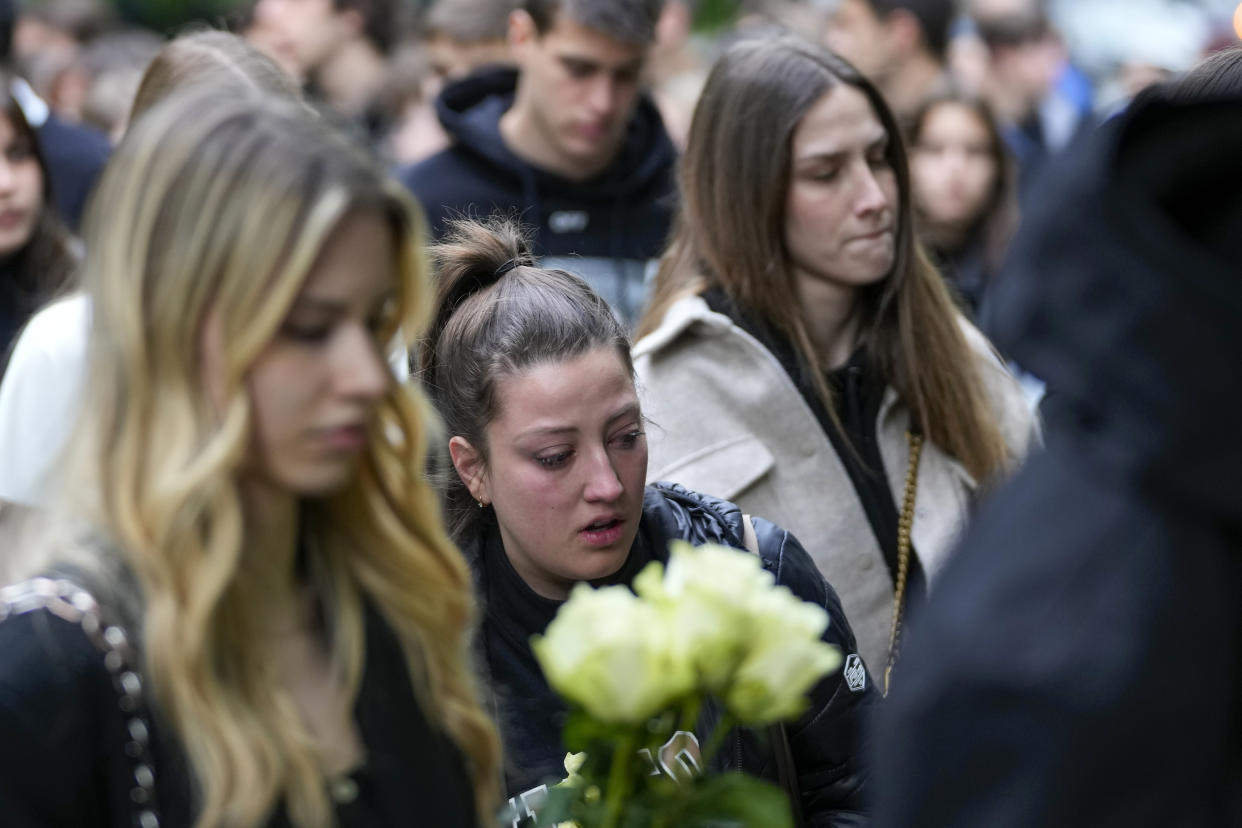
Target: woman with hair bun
(531, 373)
(248, 611)
(801, 355)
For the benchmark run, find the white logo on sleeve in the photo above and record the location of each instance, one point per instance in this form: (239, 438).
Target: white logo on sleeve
(855, 673)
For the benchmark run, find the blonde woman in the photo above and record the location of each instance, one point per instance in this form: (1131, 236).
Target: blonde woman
(254, 615)
(801, 356)
(40, 392)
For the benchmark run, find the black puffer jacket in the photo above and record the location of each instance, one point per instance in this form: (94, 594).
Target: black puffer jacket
(825, 741)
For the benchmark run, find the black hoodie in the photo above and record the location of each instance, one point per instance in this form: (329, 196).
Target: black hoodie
(613, 225)
(1081, 661)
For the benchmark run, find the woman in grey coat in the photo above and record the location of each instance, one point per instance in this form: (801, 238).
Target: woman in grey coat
(801, 356)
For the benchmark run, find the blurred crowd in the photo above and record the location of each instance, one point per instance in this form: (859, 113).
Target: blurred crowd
(986, 90)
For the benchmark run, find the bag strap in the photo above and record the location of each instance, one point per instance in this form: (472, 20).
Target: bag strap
(748, 536)
(786, 770)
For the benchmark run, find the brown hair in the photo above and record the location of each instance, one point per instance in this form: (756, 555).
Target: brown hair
(208, 56)
(469, 21)
(934, 16)
(630, 21)
(998, 218)
(730, 233)
(44, 266)
(1218, 75)
(496, 313)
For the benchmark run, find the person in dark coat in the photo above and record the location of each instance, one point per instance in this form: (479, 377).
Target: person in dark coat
(531, 372)
(1083, 664)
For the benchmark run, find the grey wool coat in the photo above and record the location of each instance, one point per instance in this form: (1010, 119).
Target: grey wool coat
(726, 419)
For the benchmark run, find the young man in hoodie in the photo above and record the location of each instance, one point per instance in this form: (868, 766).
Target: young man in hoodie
(567, 142)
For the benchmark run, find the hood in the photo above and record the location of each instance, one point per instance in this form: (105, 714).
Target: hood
(1123, 292)
(470, 111)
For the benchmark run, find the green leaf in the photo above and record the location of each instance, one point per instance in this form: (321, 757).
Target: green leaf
(730, 800)
(734, 800)
(584, 733)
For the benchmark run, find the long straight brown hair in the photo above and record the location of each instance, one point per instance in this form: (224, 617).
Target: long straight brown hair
(730, 232)
(997, 220)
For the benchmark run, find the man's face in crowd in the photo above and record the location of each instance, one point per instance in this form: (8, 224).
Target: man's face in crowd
(301, 34)
(581, 84)
(857, 34)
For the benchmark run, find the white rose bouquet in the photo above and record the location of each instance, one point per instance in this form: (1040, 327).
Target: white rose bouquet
(637, 668)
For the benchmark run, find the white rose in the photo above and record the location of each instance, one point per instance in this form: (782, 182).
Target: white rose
(704, 595)
(607, 651)
(785, 659)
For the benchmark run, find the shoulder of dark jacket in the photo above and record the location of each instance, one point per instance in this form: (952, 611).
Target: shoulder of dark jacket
(54, 694)
(677, 513)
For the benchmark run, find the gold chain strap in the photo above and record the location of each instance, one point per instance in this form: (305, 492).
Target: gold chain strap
(905, 524)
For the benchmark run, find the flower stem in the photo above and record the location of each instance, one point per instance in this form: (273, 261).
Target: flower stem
(690, 713)
(723, 726)
(618, 781)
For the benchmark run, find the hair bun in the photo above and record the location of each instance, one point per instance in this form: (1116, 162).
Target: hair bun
(473, 255)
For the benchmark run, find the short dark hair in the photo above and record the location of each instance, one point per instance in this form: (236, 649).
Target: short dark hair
(1218, 75)
(934, 16)
(8, 20)
(633, 21)
(385, 22)
(1014, 29)
(469, 21)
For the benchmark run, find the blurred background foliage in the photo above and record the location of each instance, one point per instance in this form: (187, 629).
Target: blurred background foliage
(170, 15)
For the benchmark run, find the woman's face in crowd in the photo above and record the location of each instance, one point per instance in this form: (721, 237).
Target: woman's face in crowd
(952, 166)
(566, 468)
(841, 208)
(315, 388)
(21, 189)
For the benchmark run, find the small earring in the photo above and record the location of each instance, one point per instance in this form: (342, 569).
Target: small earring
(482, 505)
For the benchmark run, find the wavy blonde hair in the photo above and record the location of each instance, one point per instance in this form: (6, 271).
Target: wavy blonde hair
(220, 203)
